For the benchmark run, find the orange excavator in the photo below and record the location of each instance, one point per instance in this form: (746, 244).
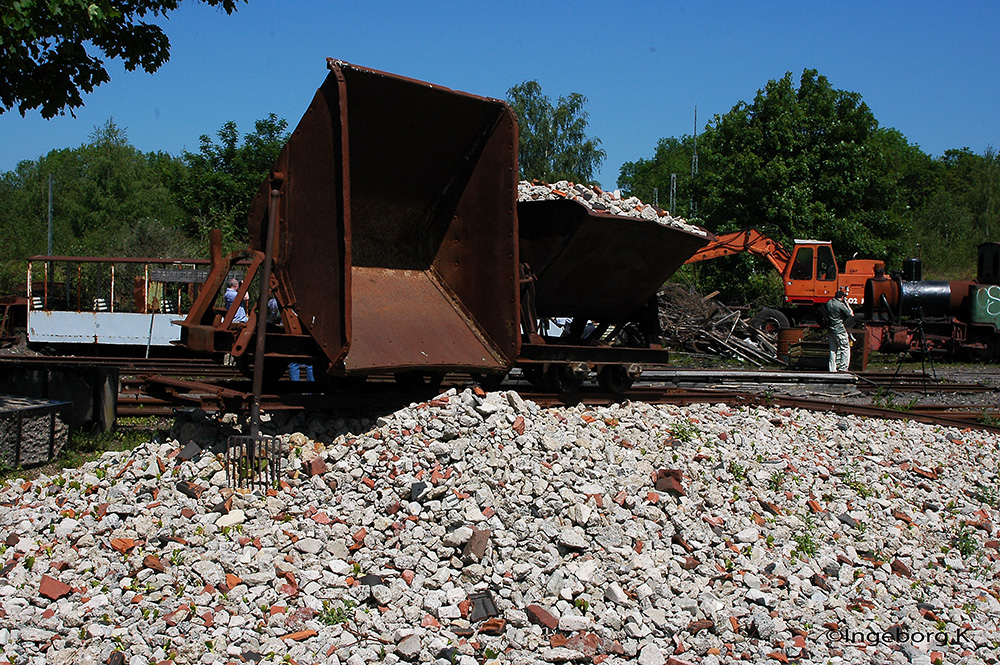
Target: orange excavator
(810, 275)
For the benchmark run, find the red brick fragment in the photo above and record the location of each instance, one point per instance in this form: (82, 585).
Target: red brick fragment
(175, 617)
(518, 425)
(696, 627)
(153, 562)
(769, 507)
(900, 568)
(475, 548)
(903, 517)
(187, 488)
(300, 635)
(122, 545)
(53, 589)
(541, 616)
(670, 480)
(314, 467)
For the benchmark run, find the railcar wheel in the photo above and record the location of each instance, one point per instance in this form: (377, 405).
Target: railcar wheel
(489, 382)
(562, 378)
(981, 349)
(615, 379)
(535, 376)
(416, 381)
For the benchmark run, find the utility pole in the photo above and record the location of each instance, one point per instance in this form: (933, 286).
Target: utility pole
(50, 216)
(694, 166)
(50, 269)
(673, 193)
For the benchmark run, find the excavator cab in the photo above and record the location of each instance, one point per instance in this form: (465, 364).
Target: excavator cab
(811, 275)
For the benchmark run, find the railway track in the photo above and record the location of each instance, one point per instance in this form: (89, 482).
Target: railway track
(157, 387)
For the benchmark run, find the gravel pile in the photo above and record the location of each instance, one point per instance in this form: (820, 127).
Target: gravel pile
(483, 528)
(595, 198)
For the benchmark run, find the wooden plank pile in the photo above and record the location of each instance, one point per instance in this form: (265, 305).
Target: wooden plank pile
(699, 324)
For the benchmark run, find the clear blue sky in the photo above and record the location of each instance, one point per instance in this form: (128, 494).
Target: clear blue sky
(929, 69)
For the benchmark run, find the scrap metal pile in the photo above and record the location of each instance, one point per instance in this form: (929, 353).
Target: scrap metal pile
(698, 324)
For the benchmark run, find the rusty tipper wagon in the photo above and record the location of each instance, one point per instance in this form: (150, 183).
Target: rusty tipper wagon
(389, 227)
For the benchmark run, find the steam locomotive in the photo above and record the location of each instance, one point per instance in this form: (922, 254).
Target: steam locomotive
(959, 319)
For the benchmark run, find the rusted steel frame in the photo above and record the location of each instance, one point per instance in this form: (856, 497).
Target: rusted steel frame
(245, 334)
(256, 259)
(529, 316)
(119, 259)
(535, 353)
(203, 305)
(265, 296)
(189, 385)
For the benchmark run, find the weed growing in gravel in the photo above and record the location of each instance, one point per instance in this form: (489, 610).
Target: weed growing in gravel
(964, 541)
(886, 399)
(777, 479)
(684, 432)
(737, 470)
(851, 479)
(989, 494)
(805, 545)
(333, 615)
(989, 419)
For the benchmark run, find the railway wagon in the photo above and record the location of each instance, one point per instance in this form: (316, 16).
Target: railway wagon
(391, 237)
(904, 313)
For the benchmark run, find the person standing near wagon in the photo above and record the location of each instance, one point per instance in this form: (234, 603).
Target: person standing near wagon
(837, 312)
(230, 297)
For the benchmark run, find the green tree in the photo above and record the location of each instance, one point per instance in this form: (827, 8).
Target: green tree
(644, 176)
(219, 181)
(797, 162)
(109, 200)
(553, 143)
(44, 56)
(804, 162)
(961, 210)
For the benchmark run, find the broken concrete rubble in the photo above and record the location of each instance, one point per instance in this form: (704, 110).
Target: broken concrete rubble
(750, 560)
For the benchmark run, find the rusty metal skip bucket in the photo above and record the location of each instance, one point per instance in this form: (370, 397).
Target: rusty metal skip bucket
(397, 236)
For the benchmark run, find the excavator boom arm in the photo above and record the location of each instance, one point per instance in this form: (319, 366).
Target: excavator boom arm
(750, 240)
